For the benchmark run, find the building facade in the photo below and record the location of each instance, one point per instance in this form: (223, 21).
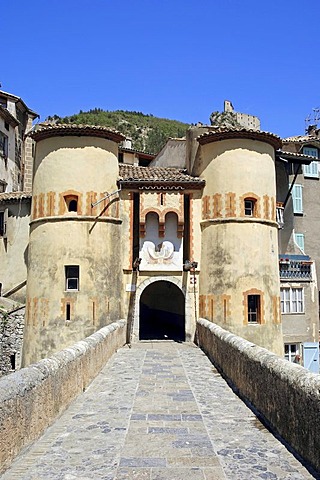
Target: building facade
(207, 229)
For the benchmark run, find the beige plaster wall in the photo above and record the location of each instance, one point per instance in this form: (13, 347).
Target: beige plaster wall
(90, 238)
(33, 397)
(14, 248)
(85, 163)
(239, 253)
(173, 154)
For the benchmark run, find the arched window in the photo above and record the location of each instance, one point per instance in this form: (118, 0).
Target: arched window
(171, 230)
(71, 203)
(73, 206)
(152, 228)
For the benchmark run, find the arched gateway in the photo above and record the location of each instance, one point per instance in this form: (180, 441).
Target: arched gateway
(162, 312)
(160, 302)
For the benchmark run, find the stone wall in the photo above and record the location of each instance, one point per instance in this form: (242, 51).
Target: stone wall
(11, 338)
(33, 397)
(285, 394)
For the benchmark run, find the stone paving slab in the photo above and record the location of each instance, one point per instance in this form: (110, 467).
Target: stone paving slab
(157, 411)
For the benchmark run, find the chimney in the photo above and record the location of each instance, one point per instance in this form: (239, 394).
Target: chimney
(127, 143)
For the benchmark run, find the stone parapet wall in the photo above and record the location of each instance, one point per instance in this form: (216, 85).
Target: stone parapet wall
(33, 397)
(11, 339)
(285, 394)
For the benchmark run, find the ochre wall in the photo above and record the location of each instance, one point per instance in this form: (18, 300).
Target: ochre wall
(239, 253)
(86, 168)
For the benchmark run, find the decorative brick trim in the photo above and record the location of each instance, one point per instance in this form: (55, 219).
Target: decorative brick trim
(276, 309)
(180, 230)
(91, 198)
(226, 303)
(93, 306)
(41, 205)
(266, 206)
(217, 205)
(206, 213)
(253, 291)
(51, 200)
(162, 229)
(131, 230)
(203, 305)
(35, 311)
(230, 204)
(211, 307)
(104, 205)
(44, 310)
(34, 207)
(144, 213)
(191, 239)
(273, 209)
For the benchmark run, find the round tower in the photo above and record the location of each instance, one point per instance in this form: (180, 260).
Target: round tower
(74, 267)
(239, 281)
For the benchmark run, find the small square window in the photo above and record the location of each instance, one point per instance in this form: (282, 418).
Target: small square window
(72, 277)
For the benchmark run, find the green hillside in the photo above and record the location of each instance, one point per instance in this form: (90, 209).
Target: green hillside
(148, 133)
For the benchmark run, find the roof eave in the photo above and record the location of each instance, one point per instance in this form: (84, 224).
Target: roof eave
(161, 184)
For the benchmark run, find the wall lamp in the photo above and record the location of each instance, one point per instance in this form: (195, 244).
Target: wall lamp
(188, 266)
(136, 263)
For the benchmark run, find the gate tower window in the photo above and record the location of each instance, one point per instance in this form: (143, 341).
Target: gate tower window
(254, 309)
(72, 277)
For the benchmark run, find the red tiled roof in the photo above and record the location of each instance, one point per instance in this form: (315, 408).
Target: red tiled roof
(301, 139)
(292, 156)
(225, 133)
(146, 155)
(12, 196)
(157, 177)
(43, 131)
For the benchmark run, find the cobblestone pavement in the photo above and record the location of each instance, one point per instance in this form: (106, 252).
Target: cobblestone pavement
(157, 411)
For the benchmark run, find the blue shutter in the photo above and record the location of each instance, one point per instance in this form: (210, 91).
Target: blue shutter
(311, 356)
(299, 239)
(312, 169)
(297, 199)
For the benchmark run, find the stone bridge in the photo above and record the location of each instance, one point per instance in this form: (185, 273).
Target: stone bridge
(160, 410)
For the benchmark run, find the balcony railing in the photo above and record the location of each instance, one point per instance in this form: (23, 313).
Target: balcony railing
(294, 268)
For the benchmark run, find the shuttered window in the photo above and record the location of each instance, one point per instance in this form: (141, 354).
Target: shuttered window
(297, 199)
(311, 170)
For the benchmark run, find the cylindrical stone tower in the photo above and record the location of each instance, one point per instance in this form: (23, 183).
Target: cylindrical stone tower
(74, 267)
(239, 280)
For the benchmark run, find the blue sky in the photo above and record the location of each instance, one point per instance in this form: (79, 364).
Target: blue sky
(176, 59)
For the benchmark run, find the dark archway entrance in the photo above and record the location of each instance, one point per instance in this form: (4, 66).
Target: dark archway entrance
(162, 312)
